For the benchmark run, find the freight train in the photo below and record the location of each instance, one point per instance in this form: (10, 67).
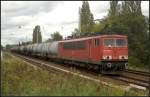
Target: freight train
(106, 53)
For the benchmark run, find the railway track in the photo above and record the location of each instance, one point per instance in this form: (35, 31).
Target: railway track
(138, 72)
(130, 80)
(129, 76)
(135, 77)
(139, 78)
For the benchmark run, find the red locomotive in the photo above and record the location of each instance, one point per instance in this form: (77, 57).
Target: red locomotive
(106, 53)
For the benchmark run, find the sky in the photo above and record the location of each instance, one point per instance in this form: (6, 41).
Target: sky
(18, 18)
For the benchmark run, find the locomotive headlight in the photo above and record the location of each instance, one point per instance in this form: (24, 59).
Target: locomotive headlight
(107, 57)
(123, 57)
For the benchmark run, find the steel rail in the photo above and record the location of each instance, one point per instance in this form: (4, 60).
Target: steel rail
(138, 72)
(136, 82)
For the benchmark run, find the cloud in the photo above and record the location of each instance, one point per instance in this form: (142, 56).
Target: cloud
(145, 8)
(21, 12)
(18, 18)
(24, 8)
(99, 6)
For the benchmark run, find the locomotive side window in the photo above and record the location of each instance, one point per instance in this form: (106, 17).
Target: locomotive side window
(68, 45)
(74, 45)
(79, 45)
(109, 42)
(121, 42)
(97, 41)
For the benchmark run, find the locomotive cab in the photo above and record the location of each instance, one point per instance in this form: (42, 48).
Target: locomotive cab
(114, 53)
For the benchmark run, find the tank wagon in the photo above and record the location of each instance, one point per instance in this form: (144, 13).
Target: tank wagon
(106, 53)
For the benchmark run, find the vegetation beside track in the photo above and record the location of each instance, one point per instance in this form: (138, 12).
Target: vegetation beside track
(18, 78)
(138, 67)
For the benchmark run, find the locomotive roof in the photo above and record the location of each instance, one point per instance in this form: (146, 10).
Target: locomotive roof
(79, 39)
(99, 36)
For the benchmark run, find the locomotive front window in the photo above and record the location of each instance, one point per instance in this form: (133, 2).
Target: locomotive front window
(109, 42)
(121, 42)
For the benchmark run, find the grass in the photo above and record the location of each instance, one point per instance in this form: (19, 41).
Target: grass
(19, 78)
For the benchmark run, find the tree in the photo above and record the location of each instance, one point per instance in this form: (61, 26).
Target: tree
(86, 18)
(112, 24)
(76, 33)
(133, 7)
(8, 47)
(48, 40)
(131, 22)
(56, 36)
(37, 38)
(113, 11)
(137, 31)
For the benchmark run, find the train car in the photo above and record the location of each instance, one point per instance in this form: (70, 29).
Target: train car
(108, 53)
(34, 49)
(21, 49)
(53, 49)
(15, 49)
(44, 49)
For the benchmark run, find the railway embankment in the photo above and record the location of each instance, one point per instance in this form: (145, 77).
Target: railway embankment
(21, 78)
